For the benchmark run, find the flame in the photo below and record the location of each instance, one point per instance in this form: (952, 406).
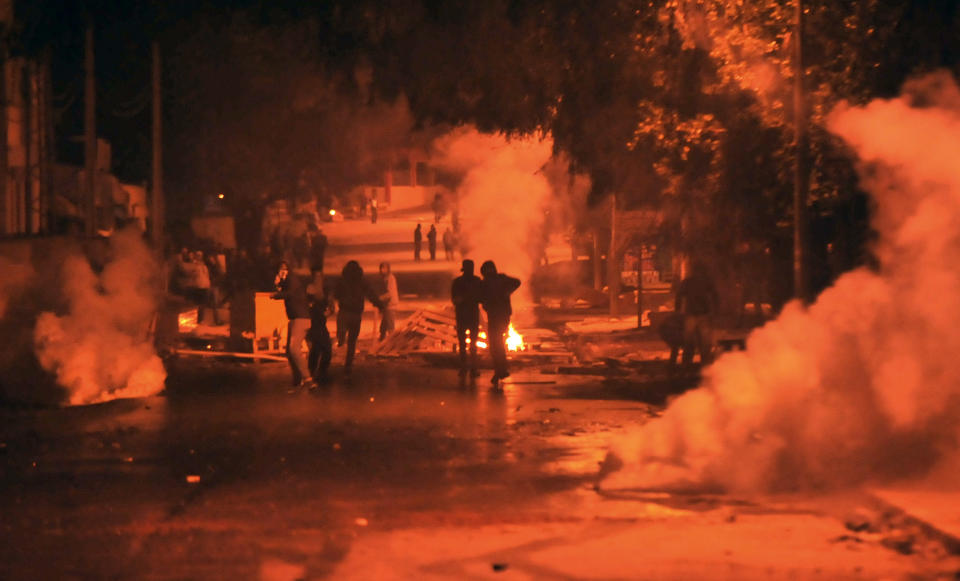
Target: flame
(187, 321)
(514, 340)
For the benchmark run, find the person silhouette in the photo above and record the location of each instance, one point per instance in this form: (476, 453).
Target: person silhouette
(417, 242)
(496, 289)
(432, 241)
(465, 295)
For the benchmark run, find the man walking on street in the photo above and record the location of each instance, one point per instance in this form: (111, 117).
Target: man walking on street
(352, 290)
(465, 295)
(432, 241)
(292, 291)
(417, 242)
(495, 296)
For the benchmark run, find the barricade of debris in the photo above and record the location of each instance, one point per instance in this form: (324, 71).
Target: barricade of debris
(433, 333)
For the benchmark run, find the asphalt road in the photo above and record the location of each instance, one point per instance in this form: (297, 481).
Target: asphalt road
(402, 472)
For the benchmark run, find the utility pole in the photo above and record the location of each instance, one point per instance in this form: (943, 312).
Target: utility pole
(613, 266)
(801, 178)
(156, 206)
(90, 132)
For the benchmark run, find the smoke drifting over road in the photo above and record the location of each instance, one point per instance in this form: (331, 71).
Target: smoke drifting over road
(502, 197)
(864, 384)
(100, 349)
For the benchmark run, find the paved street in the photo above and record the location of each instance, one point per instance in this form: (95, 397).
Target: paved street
(401, 473)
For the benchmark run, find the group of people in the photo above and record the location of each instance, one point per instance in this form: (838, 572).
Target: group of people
(200, 278)
(468, 292)
(449, 242)
(308, 306)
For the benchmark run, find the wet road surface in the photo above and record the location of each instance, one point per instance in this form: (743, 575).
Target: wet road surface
(401, 472)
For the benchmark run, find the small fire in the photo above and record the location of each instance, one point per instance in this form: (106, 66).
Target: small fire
(514, 340)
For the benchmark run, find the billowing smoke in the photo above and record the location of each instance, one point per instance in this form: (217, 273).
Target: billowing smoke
(863, 385)
(101, 348)
(502, 197)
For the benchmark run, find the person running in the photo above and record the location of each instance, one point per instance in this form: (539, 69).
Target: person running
(465, 295)
(496, 289)
(351, 292)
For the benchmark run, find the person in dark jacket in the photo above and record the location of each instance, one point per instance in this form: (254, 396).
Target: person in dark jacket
(432, 242)
(495, 296)
(321, 349)
(417, 242)
(465, 295)
(697, 300)
(351, 292)
(290, 288)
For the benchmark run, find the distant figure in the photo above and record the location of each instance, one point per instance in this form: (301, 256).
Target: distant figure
(318, 250)
(292, 291)
(202, 290)
(697, 299)
(417, 242)
(350, 294)
(373, 211)
(438, 208)
(465, 293)
(390, 297)
(495, 296)
(449, 243)
(321, 349)
(432, 242)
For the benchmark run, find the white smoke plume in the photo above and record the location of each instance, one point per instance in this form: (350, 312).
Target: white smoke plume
(863, 385)
(101, 348)
(502, 197)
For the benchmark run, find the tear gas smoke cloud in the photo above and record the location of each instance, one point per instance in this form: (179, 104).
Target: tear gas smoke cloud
(864, 384)
(502, 197)
(100, 349)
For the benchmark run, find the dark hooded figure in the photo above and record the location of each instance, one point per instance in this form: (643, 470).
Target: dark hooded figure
(351, 292)
(495, 296)
(465, 295)
(432, 242)
(417, 242)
